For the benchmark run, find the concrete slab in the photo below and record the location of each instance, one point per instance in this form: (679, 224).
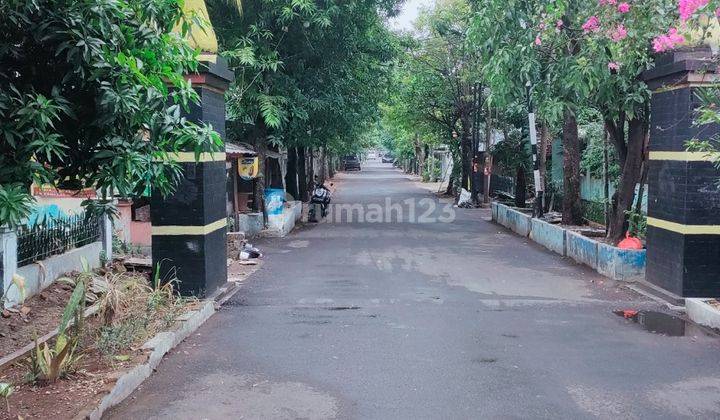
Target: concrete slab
(279, 225)
(702, 312)
(502, 214)
(250, 223)
(518, 222)
(582, 249)
(548, 235)
(620, 264)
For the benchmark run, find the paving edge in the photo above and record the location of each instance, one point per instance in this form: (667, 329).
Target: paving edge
(161, 344)
(643, 291)
(701, 312)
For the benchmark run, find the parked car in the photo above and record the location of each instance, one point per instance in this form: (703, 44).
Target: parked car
(351, 163)
(388, 158)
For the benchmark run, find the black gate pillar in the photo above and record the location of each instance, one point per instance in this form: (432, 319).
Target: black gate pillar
(189, 226)
(683, 236)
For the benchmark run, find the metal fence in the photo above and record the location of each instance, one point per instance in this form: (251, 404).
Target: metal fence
(55, 237)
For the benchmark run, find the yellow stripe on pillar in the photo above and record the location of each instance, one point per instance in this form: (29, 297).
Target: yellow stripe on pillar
(189, 157)
(189, 230)
(685, 156)
(684, 229)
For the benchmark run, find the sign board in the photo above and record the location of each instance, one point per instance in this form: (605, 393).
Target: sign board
(248, 167)
(51, 192)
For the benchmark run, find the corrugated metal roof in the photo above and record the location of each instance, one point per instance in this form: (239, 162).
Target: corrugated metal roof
(239, 149)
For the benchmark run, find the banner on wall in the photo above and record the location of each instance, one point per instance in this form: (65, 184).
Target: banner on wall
(51, 192)
(248, 167)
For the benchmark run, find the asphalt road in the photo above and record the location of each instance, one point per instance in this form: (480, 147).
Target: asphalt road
(426, 318)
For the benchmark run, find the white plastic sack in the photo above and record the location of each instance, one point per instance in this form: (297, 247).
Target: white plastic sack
(464, 198)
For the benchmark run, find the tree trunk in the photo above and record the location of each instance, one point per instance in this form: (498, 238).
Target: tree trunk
(420, 159)
(259, 187)
(291, 178)
(310, 166)
(616, 131)
(606, 181)
(276, 179)
(465, 151)
(572, 208)
(545, 140)
(331, 166)
(323, 165)
(450, 190)
(631, 173)
(302, 175)
(520, 187)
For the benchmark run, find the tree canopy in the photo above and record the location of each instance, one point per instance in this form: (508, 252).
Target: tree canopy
(308, 73)
(90, 96)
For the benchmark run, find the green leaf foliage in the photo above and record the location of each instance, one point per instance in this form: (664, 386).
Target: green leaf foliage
(90, 96)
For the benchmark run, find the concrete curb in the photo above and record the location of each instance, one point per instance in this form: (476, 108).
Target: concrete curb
(548, 235)
(701, 312)
(608, 260)
(581, 249)
(159, 345)
(518, 222)
(621, 264)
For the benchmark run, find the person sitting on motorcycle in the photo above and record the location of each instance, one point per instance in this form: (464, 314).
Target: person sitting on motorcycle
(321, 196)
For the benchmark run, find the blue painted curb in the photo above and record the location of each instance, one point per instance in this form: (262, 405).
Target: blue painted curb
(608, 260)
(621, 264)
(518, 222)
(548, 235)
(582, 249)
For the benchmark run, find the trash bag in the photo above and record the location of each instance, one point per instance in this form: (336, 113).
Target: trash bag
(249, 252)
(630, 242)
(465, 198)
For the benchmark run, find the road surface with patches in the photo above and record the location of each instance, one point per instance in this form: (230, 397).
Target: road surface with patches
(442, 319)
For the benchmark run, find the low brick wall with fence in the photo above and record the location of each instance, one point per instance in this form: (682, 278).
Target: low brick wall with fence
(45, 251)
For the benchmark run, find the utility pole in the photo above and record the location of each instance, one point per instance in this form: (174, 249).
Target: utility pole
(539, 188)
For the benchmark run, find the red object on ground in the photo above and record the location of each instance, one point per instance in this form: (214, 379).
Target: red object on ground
(629, 313)
(630, 242)
(626, 313)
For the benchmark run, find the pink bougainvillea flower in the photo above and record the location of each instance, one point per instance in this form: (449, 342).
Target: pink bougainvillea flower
(623, 7)
(619, 33)
(614, 65)
(668, 41)
(591, 25)
(538, 41)
(559, 23)
(688, 7)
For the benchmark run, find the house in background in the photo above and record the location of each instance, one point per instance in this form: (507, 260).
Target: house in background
(133, 223)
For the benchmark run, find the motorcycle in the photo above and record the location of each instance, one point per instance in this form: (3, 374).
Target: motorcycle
(320, 199)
